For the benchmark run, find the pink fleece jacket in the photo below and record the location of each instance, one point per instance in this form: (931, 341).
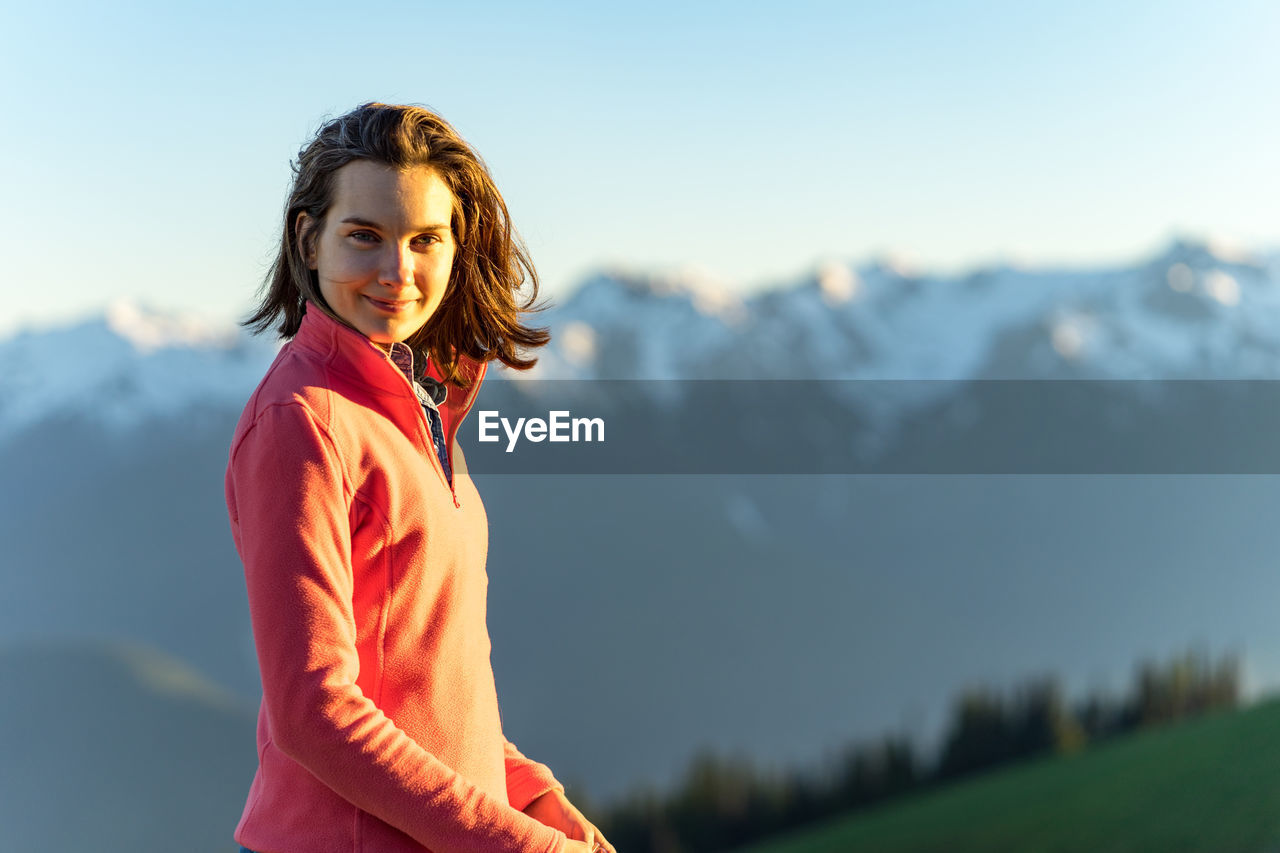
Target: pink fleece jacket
(379, 727)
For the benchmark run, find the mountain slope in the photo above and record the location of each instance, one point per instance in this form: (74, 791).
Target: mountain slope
(118, 748)
(1207, 785)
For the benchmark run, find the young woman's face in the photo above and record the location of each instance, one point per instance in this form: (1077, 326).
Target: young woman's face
(385, 253)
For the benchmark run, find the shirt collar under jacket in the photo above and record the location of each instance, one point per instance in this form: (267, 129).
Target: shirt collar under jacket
(431, 392)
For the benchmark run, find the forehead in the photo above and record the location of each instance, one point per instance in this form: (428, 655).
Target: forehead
(377, 191)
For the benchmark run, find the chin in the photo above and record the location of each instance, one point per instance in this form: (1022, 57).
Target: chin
(384, 335)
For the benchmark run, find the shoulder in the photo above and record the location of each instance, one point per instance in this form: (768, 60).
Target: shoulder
(295, 394)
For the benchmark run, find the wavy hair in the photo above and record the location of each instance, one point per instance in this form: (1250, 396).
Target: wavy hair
(479, 316)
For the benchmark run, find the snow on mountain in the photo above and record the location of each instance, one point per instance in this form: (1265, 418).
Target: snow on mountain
(622, 326)
(1194, 310)
(125, 366)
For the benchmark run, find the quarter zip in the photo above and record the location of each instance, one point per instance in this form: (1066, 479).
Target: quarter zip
(424, 428)
(440, 452)
(451, 436)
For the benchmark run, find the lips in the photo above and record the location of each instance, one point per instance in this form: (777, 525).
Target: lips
(389, 305)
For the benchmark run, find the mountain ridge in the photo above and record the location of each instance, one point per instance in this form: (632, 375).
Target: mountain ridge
(1192, 310)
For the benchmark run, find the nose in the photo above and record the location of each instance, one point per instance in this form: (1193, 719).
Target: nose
(396, 269)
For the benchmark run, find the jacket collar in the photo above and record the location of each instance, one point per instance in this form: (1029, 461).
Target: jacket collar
(351, 354)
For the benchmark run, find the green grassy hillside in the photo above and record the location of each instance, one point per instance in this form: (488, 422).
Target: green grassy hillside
(1212, 784)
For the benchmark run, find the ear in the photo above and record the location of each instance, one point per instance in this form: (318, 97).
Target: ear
(304, 225)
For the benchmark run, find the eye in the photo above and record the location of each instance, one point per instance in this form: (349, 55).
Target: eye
(363, 236)
(427, 239)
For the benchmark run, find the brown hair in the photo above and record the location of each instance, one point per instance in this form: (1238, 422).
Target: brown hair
(479, 315)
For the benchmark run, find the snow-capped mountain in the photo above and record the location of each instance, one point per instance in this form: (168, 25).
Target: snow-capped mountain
(126, 366)
(1194, 310)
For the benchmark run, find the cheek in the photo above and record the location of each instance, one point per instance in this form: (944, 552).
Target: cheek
(340, 268)
(437, 269)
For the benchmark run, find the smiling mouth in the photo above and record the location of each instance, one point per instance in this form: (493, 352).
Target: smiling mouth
(391, 307)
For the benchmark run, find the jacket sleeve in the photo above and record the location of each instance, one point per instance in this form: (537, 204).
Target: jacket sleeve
(526, 779)
(289, 505)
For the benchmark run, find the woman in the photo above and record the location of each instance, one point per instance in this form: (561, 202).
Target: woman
(362, 537)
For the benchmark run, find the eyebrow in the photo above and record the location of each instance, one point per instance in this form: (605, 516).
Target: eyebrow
(369, 223)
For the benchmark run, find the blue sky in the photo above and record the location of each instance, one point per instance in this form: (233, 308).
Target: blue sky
(146, 145)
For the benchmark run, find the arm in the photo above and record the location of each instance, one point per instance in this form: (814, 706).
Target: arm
(289, 504)
(526, 779)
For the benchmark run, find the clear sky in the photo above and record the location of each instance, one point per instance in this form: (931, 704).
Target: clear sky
(146, 145)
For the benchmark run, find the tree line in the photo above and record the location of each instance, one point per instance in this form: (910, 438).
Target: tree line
(727, 802)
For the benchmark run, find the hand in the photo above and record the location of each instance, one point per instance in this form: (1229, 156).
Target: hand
(555, 810)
